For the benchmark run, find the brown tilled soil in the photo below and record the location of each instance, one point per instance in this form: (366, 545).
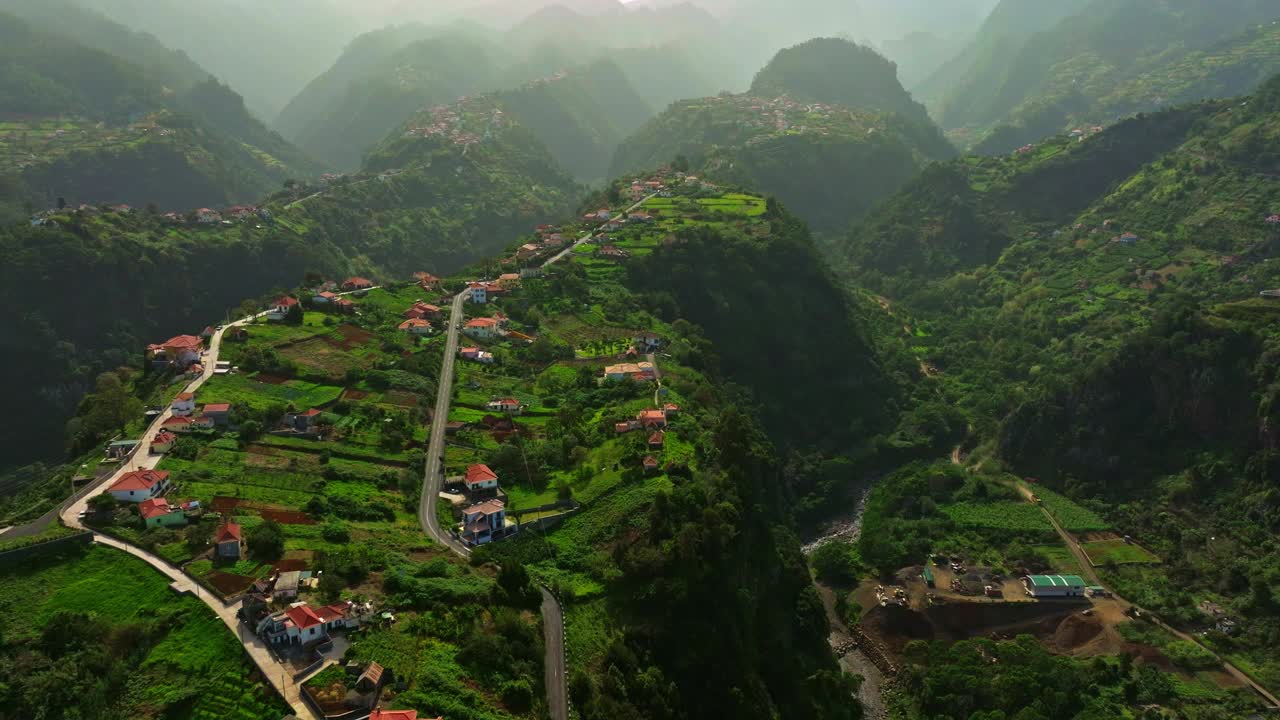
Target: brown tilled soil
(228, 583)
(270, 379)
(352, 337)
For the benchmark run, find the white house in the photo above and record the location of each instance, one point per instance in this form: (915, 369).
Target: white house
(302, 625)
(183, 404)
(476, 354)
(228, 540)
(485, 522)
(278, 309)
(140, 485)
(482, 328)
(1051, 586)
(480, 477)
(504, 405)
(479, 292)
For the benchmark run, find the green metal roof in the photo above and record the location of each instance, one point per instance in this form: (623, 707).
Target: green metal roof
(1055, 580)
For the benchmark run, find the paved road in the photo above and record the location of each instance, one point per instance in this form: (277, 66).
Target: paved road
(434, 474)
(554, 665)
(1086, 567)
(565, 252)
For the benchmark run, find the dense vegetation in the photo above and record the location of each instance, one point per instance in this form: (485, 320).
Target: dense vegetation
(1107, 60)
(1091, 308)
(837, 72)
(96, 113)
(93, 633)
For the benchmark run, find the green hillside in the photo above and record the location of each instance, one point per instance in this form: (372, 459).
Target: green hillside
(83, 124)
(581, 116)
(424, 203)
(1108, 60)
(828, 164)
(837, 72)
(1092, 309)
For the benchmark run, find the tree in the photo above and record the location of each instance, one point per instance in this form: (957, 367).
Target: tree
(266, 541)
(104, 503)
(112, 407)
(294, 315)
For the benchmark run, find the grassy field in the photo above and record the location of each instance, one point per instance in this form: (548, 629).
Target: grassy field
(1068, 514)
(246, 391)
(1014, 516)
(193, 667)
(1118, 552)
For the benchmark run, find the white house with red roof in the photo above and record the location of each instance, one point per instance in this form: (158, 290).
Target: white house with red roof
(324, 297)
(228, 541)
(425, 311)
(184, 424)
(139, 485)
(505, 405)
(157, 512)
(479, 292)
(178, 351)
(427, 281)
(653, 419)
(356, 283)
(479, 478)
(183, 404)
(482, 328)
(300, 624)
(279, 308)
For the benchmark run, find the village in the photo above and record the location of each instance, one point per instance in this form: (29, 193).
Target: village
(288, 433)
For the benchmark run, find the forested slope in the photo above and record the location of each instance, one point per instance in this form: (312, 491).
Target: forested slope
(1092, 308)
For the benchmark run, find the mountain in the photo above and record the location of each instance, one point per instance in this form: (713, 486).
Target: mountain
(1103, 61)
(385, 76)
(266, 51)
(581, 116)
(379, 82)
(837, 72)
(1091, 307)
(147, 126)
(826, 162)
(439, 201)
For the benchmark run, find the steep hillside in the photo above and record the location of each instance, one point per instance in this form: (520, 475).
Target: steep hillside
(1111, 59)
(837, 72)
(1092, 308)
(439, 202)
(86, 125)
(267, 51)
(581, 116)
(380, 81)
(828, 164)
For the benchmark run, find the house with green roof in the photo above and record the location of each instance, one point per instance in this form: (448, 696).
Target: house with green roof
(1051, 586)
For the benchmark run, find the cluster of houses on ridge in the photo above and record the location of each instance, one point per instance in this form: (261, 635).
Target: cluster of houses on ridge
(448, 123)
(199, 216)
(146, 489)
(655, 422)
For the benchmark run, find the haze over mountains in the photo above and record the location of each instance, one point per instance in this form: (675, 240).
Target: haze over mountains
(977, 299)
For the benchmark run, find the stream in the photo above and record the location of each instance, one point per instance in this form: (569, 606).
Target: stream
(848, 527)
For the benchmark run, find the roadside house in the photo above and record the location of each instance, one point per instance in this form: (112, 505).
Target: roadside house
(178, 351)
(163, 442)
(286, 586)
(228, 541)
(476, 354)
(300, 624)
(479, 292)
(220, 413)
(324, 298)
(186, 424)
(485, 522)
(482, 328)
(140, 485)
(356, 283)
(423, 310)
(157, 512)
(480, 478)
(278, 309)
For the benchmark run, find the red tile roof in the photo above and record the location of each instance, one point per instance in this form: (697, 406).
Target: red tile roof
(286, 301)
(153, 508)
(329, 613)
(228, 532)
(140, 480)
(311, 413)
(163, 437)
(303, 617)
(488, 507)
(482, 322)
(179, 342)
(184, 396)
(217, 407)
(480, 473)
(394, 715)
(412, 323)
